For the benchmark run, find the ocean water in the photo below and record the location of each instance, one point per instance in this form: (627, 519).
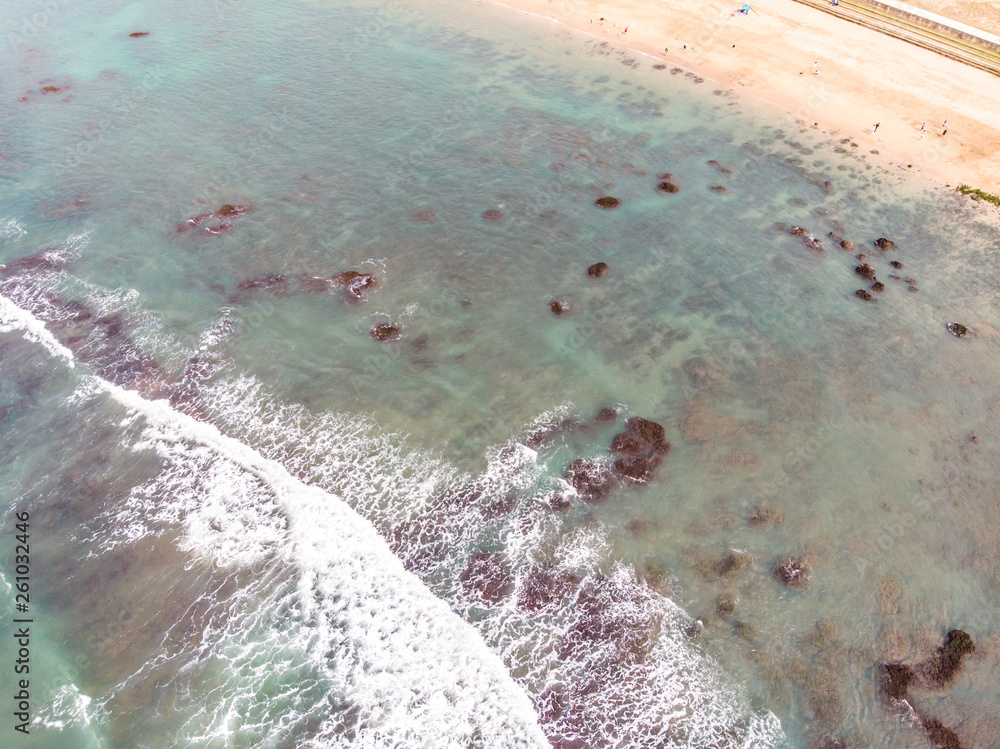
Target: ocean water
(253, 524)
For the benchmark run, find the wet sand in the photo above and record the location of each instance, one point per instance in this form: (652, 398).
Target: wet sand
(864, 77)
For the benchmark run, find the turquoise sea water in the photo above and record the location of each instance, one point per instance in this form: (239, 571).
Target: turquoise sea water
(254, 525)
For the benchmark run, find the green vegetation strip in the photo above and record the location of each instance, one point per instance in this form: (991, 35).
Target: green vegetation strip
(978, 194)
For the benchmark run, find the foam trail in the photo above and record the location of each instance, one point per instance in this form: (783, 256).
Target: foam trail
(13, 317)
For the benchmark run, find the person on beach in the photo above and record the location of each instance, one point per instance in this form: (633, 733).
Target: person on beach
(923, 130)
(876, 127)
(944, 127)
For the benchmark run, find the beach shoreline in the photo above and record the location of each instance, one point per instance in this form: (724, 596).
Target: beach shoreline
(820, 70)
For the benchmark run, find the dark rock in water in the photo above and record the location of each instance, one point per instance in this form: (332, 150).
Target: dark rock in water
(643, 443)
(356, 283)
(745, 631)
(493, 215)
(895, 264)
(865, 270)
(592, 481)
(423, 215)
(384, 332)
(940, 735)
(559, 307)
(947, 662)
(650, 431)
(664, 176)
(848, 245)
(957, 329)
(220, 228)
(884, 244)
(637, 471)
(897, 680)
(717, 188)
(734, 561)
(878, 287)
(797, 231)
(629, 444)
(667, 187)
(545, 587)
(488, 577)
(231, 210)
(597, 270)
(779, 226)
(795, 572)
(138, 34)
(862, 294)
(607, 202)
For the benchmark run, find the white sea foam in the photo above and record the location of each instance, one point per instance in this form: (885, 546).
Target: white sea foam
(13, 317)
(415, 673)
(68, 707)
(9, 227)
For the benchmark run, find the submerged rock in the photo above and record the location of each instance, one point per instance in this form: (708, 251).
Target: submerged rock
(763, 515)
(862, 294)
(493, 215)
(385, 331)
(598, 270)
(895, 264)
(797, 231)
(545, 587)
(848, 245)
(878, 287)
(734, 561)
(884, 244)
(717, 188)
(667, 187)
(138, 34)
(423, 215)
(607, 202)
(488, 577)
(795, 572)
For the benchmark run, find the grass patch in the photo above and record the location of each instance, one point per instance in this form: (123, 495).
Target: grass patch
(978, 194)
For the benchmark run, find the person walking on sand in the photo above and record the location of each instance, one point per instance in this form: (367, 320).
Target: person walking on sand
(944, 127)
(876, 127)
(923, 130)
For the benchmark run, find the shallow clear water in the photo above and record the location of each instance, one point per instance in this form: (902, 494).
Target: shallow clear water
(206, 569)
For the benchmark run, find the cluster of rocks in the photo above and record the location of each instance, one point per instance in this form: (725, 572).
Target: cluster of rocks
(355, 285)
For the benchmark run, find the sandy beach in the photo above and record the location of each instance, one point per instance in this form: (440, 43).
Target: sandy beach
(862, 77)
